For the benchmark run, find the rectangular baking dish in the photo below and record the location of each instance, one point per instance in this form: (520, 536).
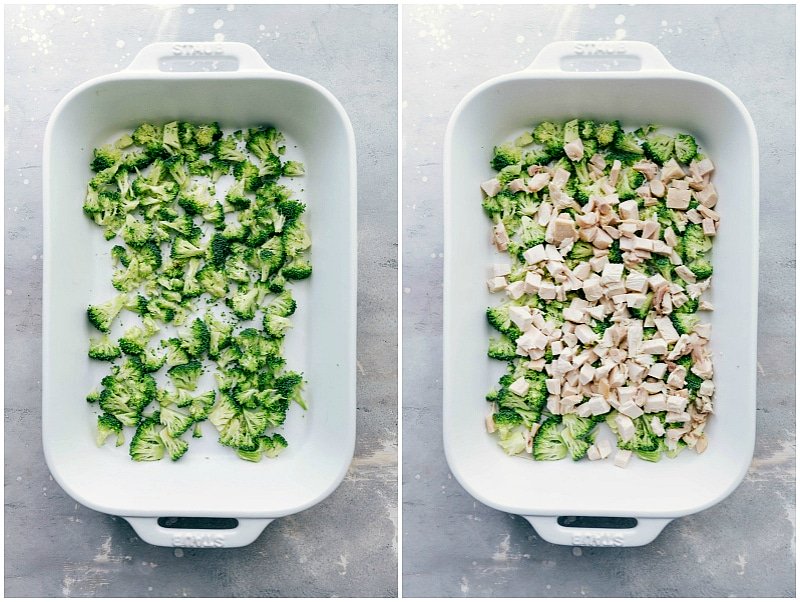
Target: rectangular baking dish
(633, 82)
(210, 480)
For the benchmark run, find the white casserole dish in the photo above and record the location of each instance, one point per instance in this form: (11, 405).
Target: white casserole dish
(210, 480)
(653, 92)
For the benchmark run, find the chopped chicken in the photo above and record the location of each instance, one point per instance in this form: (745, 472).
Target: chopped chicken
(574, 150)
(538, 181)
(500, 269)
(496, 284)
(613, 175)
(520, 386)
(492, 187)
(560, 228)
(678, 199)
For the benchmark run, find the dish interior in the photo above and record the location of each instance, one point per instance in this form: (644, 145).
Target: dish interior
(210, 480)
(501, 110)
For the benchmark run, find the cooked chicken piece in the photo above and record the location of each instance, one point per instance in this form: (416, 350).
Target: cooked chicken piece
(650, 229)
(654, 347)
(625, 426)
(677, 198)
(667, 330)
(677, 378)
(517, 185)
(547, 290)
(708, 196)
(532, 339)
(492, 187)
(613, 175)
(671, 170)
(560, 228)
(707, 388)
(707, 212)
(656, 403)
(535, 254)
(598, 161)
(670, 237)
(630, 409)
(636, 281)
(500, 237)
(560, 177)
(574, 150)
(598, 405)
(516, 289)
(552, 253)
(496, 284)
(521, 316)
(519, 387)
(709, 228)
(500, 269)
(680, 184)
(538, 181)
(490, 423)
(656, 426)
(629, 210)
(545, 211)
(694, 216)
(705, 166)
(657, 188)
(604, 447)
(532, 282)
(612, 272)
(602, 240)
(585, 334)
(686, 274)
(593, 453)
(647, 168)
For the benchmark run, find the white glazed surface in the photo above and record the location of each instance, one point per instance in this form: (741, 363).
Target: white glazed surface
(212, 481)
(496, 111)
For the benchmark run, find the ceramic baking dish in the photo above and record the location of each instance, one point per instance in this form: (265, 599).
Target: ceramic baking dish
(238, 90)
(631, 81)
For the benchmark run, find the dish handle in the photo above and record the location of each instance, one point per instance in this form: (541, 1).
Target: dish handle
(245, 533)
(645, 531)
(600, 56)
(198, 56)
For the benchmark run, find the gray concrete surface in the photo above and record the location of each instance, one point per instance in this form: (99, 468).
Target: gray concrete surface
(452, 544)
(346, 545)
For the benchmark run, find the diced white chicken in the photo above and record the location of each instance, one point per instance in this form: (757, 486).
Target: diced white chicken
(515, 289)
(604, 447)
(533, 338)
(560, 177)
(574, 315)
(627, 244)
(650, 229)
(667, 330)
(538, 181)
(657, 370)
(647, 168)
(706, 389)
(625, 427)
(628, 229)
(653, 387)
(520, 387)
(636, 281)
(602, 240)
(534, 255)
(553, 253)
(635, 300)
(661, 248)
(677, 378)
(500, 236)
(654, 347)
(585, 334)
(557, 347)
(547, 290)
(686, 274)
(496, 284)
(598, 406)
(561, 228)
(574, 150)
(656, 281)
(656, 426)
(490, 428)
(517, 185)
(630, 409)
(694, 216)
(586, 220)
(532, 282)
(707, 212)
(705, 167)
(593, 453)
(657, 188)
(709, 228)
(521, 316)
(655, 403)
(491, 187)
(629, 210)
(707, 196)
(613, 175)
(680, 184)
(553, 386)
(544, 213)
(671, 170)
(677, 198)
(500, 269)
(592, 289)
(586, 374)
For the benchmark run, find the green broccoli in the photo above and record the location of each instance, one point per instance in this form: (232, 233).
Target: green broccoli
(684, 323)
(502, 348)
(685, 148)
(101, 316)
(659, 148)
(548, 444)
(701, 268)
(107, 426)
(504, 155)
(606, 133)
(695, 243)
(103, 348)
(550, 135)
(641, 312)
(185, 376)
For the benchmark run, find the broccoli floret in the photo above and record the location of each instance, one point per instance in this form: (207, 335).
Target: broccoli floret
(174, 446)
(175, 421)
(274, 445)
(244, 302)
(580, 428)
(107, 426)
(183, 249)
(641, 312)
(627, 143)
(606, 133)
(219, 335)
(103, 348)
(550, 135)
(151, 361)
(147, 445)
(581, 251)
(295, 239)
(276, 326)
(185, 376)
(226, 149)
(290, 387)
(504, 155)
(101, 316)
(105, 157)
(196, 341)
(238, 427)
(650, 456)
(206, 135)
(530, 232)
(691, 306)
(577, 448)
(248, 174)
(695, 242)
(134, 340)
(93, 396)
(614, 252)
(659, 148)
(548, 444)
(265, 143)
(500, 319)
(701, 268)
(629, 180)
(505, 420)
(283, 305)
(297, 269)
(685, 148)
(684, 323)
(293, 169)
(662, 265)
(513, 443)
(502, 348)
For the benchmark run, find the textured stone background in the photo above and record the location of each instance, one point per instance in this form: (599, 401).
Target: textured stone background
(454, 545)
(346, 545)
